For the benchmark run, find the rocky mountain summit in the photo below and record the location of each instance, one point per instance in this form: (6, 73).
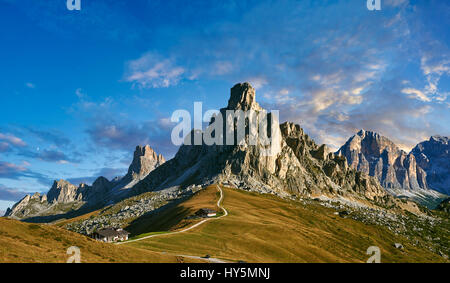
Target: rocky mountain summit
(296, 165)
(144, 161)
(434, 157)
(396, 170)
(292, 165)
(377, 156)
(63, 192)
(64, 197)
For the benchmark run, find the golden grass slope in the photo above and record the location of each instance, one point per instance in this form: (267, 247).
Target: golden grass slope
(174, 218)
(264, 228)
(27, 243)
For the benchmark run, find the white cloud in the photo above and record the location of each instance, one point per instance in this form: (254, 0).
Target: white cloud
(153, 71)
(280, 97)
(257, 82)
(415, 93)
(434, 67)
(12, 140)
(222, 68)
(437, 67)
(357, 91)
(79, 93)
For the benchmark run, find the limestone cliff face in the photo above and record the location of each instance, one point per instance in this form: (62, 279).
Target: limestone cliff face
(295, 165)
(434, 157)
(29, 204)
(63, 192)
(243, 97)
(377, 156)
(145, 160)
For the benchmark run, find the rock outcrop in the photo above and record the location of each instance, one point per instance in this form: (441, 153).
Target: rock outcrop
(28, 205)
(144, 161)
(63, 192)
(434, 157)
(292, 165)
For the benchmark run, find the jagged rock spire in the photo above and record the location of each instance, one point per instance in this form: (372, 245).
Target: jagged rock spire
(144, 161)
(243, 97)
(62, 192)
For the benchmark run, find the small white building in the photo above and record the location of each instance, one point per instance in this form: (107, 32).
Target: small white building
(110, 235)
(206, 212)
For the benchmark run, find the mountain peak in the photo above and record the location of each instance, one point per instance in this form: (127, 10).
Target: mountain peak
(439, 139)
(62, 192)
(243, 97)
(361, 133)
(433, 156)
(145, 160)
(377, 156)
(364, 134)
(101, 181)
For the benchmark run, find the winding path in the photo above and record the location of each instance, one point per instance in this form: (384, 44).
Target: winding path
(225, 213)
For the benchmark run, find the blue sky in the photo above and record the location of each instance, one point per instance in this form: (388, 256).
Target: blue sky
(80, 89)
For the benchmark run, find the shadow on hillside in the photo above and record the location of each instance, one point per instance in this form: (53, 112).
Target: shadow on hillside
(86, 208)
(164, 218)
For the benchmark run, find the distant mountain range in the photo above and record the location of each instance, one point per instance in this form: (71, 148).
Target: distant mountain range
(65, 199)
(434, 157)
(368, 168)
(411, 175)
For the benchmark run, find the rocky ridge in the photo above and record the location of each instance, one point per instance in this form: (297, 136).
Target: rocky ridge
(296, 165)
(64, 197)
(434, 157)
(397, 171)
(377, 156)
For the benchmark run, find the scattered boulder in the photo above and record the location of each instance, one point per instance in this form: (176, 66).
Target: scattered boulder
(398, 246)
(344, 213)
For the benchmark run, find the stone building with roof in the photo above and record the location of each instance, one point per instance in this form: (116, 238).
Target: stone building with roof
(110, 235)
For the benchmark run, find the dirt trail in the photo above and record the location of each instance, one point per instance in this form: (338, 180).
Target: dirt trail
(215, 260)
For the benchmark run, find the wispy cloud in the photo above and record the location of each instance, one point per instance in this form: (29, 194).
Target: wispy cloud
(10, 170)
(49, 155)
(415, 93)
(153, 71)
(30, 85)
(125, 135)
(11, 139)
(53, 137)
(11, 194)
(15, 172)
(108, 173)
(4, 147)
